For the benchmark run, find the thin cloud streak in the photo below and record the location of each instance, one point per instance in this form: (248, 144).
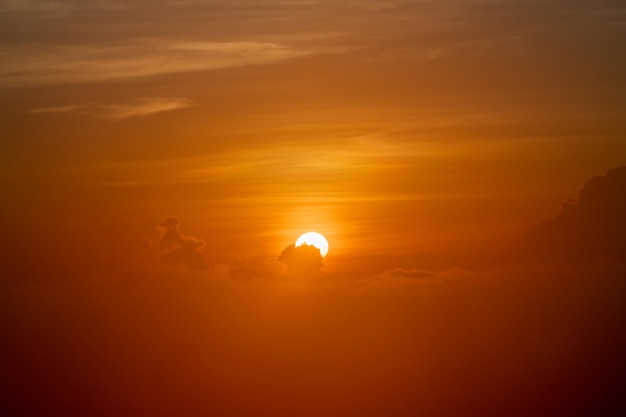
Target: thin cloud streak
(56, 109)
(33, 6)
(158, 105)
(139, 108)
(38, 64)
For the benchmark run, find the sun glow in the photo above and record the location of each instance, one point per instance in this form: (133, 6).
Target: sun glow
(314, 239)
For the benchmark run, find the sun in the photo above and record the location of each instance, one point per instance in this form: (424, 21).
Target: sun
(314, 239)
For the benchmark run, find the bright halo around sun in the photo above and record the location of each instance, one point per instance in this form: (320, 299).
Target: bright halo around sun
(314, 239)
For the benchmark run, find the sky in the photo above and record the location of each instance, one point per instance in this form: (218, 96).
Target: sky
(464, 159)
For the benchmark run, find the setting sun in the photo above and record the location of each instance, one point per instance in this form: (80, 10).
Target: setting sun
(314, 239)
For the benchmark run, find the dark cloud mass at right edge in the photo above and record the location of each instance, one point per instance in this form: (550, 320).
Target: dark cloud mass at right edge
(588, 229)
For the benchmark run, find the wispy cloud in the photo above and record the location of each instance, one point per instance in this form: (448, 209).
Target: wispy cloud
(59, 7)
(138, 108)
(57, 109)
(40, 6)
(35, 64)
(145, 108)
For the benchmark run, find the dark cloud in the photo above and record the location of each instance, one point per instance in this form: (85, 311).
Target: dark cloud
(176, 249)
(591, 228)
(302, 261)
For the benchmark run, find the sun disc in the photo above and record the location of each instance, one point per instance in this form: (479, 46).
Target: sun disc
(314, 239)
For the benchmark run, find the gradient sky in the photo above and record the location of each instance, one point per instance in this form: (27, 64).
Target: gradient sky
(259, 120)
(422, 138)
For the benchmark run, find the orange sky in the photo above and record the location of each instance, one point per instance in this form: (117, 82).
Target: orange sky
(422, 138)
(259, 122)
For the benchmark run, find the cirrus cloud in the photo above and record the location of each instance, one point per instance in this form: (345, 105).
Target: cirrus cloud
(137, 108)
(38, 64)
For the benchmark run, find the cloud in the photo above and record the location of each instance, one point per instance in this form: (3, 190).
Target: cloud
(138, 108)
(146, 107)
(36, 6)
(57, 109)
(302, 261)
(176, 249)
(588, 229)
(35, 64)
(59, 8)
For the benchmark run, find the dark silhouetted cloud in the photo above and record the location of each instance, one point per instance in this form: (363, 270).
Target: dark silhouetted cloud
(590, 228)
(176, 249)
(302, 261)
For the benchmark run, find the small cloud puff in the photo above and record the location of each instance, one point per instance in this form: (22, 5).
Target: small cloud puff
(176, 249)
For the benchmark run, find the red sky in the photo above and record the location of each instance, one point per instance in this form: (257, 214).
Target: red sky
(422, 138)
